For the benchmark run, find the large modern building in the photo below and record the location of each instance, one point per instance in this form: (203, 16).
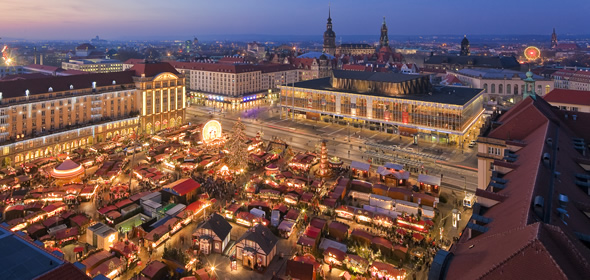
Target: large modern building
(234, 86)
(501, 84)
(96, 65)
(396, 103)
(46, 115)
(531, 216)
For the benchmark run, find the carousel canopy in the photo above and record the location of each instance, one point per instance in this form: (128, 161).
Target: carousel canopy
(67, 169)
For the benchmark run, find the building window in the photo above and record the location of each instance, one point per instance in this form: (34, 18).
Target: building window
(493, 88)
(485, 88)
(500, 89)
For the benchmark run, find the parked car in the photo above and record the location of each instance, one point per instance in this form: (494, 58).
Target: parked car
(472, 144)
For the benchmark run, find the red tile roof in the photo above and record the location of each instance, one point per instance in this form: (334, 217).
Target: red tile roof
(17, 88)
(67, 271)
(568, 96)
(517, 243)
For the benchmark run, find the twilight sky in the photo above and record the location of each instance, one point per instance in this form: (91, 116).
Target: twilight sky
(181, 19)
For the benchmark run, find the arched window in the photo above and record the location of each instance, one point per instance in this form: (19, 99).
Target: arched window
(539, 89)
(485, 88)
(515, 89)
(547, 89)
(500, 88)
(508, 89)
(493, 88)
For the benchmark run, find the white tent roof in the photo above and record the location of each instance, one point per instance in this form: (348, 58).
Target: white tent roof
(427, 179)
(360, 166)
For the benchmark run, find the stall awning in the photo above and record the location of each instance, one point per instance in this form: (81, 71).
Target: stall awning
(360, 166)
(430, 180)
(394, 166)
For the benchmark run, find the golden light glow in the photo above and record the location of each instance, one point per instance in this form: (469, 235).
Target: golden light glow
(211, 131)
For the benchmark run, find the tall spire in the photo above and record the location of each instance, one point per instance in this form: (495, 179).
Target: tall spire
(329, 12)
(384, 39)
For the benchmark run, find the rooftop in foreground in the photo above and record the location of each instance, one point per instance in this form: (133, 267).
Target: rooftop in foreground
(22, 259)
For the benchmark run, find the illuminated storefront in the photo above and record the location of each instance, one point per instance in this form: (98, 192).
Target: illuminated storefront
(388, 102)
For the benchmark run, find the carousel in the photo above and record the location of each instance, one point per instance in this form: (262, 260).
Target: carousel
(68, 172)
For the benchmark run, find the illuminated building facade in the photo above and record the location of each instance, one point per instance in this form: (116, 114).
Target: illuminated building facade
(50, 115)
(162, 99)
(501, 84)
(233, 86)
(390, 102)
(96, 65)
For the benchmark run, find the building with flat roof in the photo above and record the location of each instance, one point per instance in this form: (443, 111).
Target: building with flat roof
(11, 70)
(25, 259)
(501, 85)
(390, 102)
(531, 216)
(101, 236)
(94, 65)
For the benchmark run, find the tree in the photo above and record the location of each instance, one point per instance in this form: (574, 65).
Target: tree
(238, 149)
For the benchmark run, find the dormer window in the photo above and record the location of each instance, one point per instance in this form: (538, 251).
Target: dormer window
(27, 92)
(71, 86)
(50, 89)
(93, 85)
(114, 82)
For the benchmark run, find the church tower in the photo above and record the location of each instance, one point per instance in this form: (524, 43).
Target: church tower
(329, 37)
(384, 39)
(465, 46)
(553, 39)
(529, 86)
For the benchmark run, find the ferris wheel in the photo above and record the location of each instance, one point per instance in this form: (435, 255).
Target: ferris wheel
(532, 53)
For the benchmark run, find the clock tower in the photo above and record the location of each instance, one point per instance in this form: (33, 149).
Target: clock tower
(329, 37)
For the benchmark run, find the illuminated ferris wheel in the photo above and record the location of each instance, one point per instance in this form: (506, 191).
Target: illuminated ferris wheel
(532, 53)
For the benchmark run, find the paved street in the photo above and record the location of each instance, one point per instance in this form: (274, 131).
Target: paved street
(459, 168)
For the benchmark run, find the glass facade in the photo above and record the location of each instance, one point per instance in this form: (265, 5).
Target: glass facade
(386, 111)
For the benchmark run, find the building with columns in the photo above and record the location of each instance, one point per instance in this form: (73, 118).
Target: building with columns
(501, 85)
(162, 96)
(391, 102)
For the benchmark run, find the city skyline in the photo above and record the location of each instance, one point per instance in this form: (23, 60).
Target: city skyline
(70, 20)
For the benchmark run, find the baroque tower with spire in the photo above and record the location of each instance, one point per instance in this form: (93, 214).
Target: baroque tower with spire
(465, 46)
(384, 39)
(553, 39)
(329, 37)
